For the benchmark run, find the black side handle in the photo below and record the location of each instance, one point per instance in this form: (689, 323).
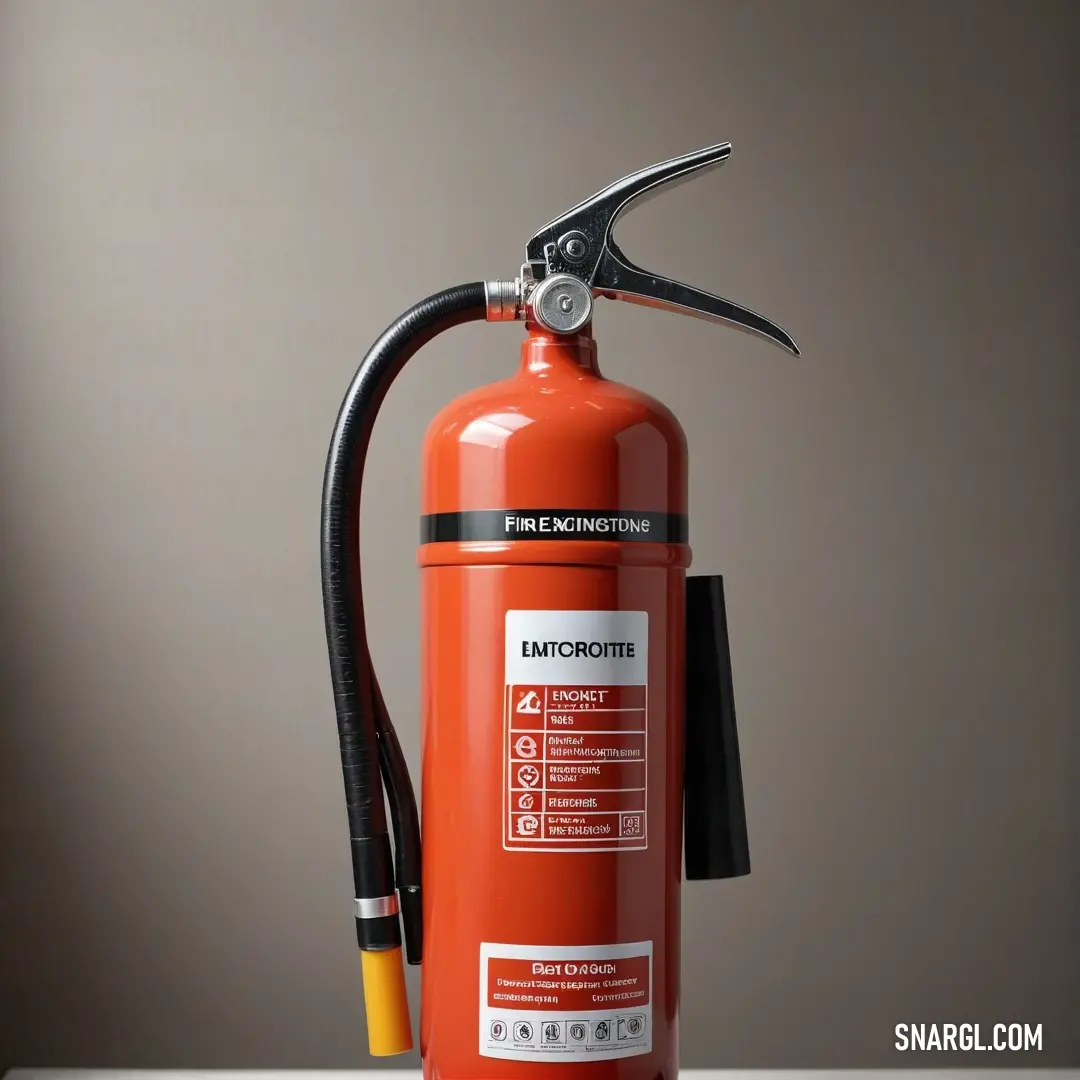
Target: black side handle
(715, 814)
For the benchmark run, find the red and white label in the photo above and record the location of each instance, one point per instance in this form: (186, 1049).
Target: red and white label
(576, 731)
(578, 1003)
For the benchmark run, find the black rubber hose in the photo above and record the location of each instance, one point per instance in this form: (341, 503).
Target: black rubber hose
(365, 732)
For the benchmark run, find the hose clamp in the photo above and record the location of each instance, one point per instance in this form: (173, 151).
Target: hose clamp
(375, 907)
(503, 300)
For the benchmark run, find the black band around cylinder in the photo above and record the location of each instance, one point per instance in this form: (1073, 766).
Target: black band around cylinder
(621, 526)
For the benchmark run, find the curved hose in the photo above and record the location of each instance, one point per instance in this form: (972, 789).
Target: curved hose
(370, 752)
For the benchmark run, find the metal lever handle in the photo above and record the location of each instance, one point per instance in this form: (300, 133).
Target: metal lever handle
(575, 241)
(619, 279)
(577, 249)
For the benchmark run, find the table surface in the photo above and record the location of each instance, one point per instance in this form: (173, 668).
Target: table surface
(414, 1074)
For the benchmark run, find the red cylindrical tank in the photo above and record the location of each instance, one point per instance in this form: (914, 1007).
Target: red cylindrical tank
(552, 595)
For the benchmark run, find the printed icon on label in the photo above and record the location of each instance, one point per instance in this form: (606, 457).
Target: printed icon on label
(529, 703)
(498, 1030)
(630, 825)
(525, 746)
(523, 1032)
(553, 1032)
(631, 1027)
(601, 1031)
(526, 801)
(527, 825)
(528, 776)
(578, 1032)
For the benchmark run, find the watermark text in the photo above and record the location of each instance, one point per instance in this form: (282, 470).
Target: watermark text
(1001, 1037)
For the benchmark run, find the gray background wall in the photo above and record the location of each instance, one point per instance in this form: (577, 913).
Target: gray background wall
(209, 210)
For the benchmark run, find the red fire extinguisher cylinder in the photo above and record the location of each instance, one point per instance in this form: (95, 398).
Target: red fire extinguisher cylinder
(552, 734)
(577, 712)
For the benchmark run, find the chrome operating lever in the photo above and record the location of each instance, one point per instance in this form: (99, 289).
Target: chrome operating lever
(574, 258)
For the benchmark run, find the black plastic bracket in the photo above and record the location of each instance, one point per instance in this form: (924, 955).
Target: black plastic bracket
(716, 842)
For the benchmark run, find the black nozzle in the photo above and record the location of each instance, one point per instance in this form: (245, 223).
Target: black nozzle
(412, 922)
(715, 814)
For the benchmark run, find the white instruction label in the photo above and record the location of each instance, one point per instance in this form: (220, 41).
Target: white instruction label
(576, 731)
(578, 1003)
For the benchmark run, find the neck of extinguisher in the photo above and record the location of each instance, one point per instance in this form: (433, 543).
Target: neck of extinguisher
(548, 355)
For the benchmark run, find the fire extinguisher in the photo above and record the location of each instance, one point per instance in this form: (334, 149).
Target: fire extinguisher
(577, 717)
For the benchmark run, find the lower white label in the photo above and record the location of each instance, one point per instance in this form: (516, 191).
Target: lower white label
(572, 1003)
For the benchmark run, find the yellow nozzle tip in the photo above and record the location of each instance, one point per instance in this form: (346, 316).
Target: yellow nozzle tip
(387, 1005)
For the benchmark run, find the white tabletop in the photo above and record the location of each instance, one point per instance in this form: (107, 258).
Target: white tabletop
(410, 1074)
